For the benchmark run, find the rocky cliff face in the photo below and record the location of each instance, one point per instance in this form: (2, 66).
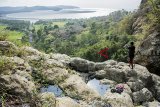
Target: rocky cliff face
(23, 71)
(149, 49)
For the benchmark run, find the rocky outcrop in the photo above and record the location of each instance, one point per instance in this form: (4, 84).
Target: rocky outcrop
(66, 102)
(16, 77)
(151, 104)
(118, 100)
(149, 55)
(149, 49)
(137, 79)
(77, 88)
(156, 86)
(62, 58)
(8, 48)
(82, 65)
(23, 74)
(135, 85)
(143, 95)
(86, 66)
(46, 100)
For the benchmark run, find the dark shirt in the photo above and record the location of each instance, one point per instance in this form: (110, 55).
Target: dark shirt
(131, 51)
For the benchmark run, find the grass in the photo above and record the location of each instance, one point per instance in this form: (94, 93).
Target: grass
(60, 23)
(2, 27)
(13, 36)
(5, 64)
(39, 26)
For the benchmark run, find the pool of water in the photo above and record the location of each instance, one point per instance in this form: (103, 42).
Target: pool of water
(54, 89)
(98, 86)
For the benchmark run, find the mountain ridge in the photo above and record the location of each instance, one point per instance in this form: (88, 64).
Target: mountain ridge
(8, 9)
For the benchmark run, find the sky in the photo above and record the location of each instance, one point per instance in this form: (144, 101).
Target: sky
(113, 4)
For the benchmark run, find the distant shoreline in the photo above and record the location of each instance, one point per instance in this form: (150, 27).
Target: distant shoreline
(79, 13)
(10, 10)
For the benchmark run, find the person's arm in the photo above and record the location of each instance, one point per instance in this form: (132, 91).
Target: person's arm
(126, 46)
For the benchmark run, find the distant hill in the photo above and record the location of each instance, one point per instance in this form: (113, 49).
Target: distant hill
(8, 10)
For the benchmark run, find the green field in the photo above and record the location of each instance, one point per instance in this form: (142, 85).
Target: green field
(39, 26)
(60, 24)
(12, 36)
(2, 27)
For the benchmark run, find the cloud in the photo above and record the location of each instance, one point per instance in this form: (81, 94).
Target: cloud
(1, 1)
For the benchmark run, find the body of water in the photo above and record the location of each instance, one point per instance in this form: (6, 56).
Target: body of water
(98, 86)
(63, 14)
(54, 89)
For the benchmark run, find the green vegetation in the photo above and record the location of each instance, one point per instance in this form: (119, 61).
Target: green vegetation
(14, 31)
(82, 37)
(5, 64)
(75, 37)
(86, 37)
(60, 23)
(15, 25)
(155, 12)
(13, 36)
(2, 27)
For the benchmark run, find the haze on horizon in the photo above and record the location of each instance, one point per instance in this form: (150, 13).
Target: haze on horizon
(111, 4)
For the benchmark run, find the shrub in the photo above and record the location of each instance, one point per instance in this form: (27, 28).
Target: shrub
(5, 64)
(3, 35)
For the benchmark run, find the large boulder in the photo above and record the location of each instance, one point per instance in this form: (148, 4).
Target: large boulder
(46, 99)
(141, 96)
(111, 71)
(82, 65)
(111, 74)
(17, 85)
(136, 85)
(29, 51)
(79, 64)
(121, 72)
(156, 86)
(101, 65)
(152, 104)
(61, 57)
(101, 74)
(66, 102)
(55, 75)
(139, 72)
(75, 87)
(10, 65)
(53, 62)
(97, 103)
(115, 74)
(16, 77)
(118, 100)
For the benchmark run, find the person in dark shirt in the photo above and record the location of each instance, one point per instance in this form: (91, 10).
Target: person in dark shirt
(131, 53)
